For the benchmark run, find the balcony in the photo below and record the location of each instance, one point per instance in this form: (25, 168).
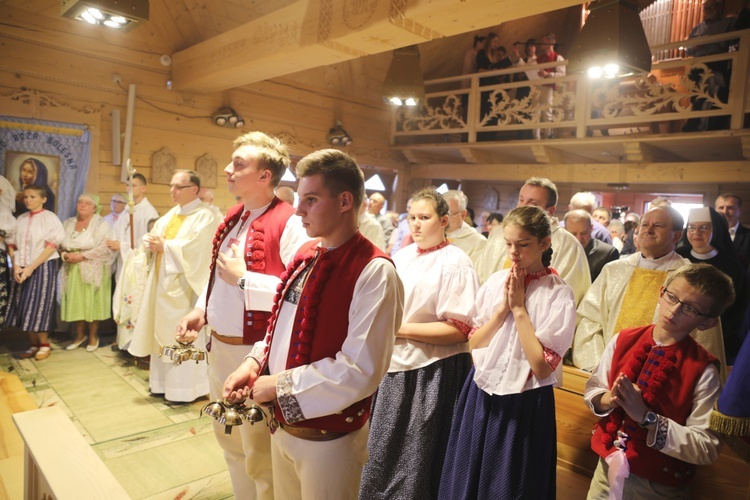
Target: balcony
(596, 124)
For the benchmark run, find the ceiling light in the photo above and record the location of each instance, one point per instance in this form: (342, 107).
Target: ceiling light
(404, 83)
(337, 136)
(122, 15)
(612, 43)
(227, 117)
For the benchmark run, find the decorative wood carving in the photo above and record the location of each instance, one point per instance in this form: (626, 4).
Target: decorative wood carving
(37, 99)
(206, 166)
(163, 164)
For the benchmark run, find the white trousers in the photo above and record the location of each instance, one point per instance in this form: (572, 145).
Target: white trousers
(247, 450)
(315, 470)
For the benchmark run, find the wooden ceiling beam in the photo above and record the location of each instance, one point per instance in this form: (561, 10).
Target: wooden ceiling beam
(313, 33)
(546, 154)
(472, 155)
(641, 152)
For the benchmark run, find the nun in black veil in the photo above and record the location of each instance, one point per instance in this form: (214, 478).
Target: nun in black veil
(706, 239)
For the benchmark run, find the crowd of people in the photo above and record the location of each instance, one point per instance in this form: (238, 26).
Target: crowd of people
(416, 363)
(488, 54)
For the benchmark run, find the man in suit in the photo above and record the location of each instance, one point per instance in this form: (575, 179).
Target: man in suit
(579, 224)
(730, 206)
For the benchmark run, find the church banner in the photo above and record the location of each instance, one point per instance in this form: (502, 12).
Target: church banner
(52, 155)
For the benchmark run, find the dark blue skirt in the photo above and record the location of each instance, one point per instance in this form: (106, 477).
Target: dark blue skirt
(501, 446)
(31, 304)
(409, 431)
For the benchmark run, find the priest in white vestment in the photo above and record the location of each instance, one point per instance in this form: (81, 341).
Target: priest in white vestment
(178, 270)
(143, 212)
(568, 256)
(459, 232)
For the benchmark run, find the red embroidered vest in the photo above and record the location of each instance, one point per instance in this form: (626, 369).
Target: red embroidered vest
(667, 376)
(322, 318)
(262, 255)
(544, 58)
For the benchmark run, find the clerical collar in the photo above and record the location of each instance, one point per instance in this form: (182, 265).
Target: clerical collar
(704, 256)
(189, 207)
(444, 244)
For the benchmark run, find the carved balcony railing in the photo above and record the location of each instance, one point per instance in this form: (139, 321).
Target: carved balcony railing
(660, 102)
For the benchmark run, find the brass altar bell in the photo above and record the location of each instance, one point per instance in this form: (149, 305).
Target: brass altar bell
(183, 351)
(230, 415)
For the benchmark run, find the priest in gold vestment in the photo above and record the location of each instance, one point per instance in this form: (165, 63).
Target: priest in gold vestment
(178, 267)
(626, 293)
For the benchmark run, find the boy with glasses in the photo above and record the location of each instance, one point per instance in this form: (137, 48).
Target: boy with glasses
(654, 390)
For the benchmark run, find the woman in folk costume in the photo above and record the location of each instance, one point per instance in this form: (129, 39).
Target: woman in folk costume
(414, 405)
(503, 443)
(86, 277)
(33, 251)
(706, 239)
(7, 230)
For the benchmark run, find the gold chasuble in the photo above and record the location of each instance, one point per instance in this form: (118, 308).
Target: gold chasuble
(170, 232)
(641, 298)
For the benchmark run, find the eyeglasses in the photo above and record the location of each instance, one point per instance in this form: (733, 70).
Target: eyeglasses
(119, 202)
(177, 186)
(687, 310)
(453, 214)
(703, 228)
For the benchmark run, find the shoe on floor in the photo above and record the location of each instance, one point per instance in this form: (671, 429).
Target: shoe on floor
(75, 345)
(92, 348)
(43, 353)
(30, 353)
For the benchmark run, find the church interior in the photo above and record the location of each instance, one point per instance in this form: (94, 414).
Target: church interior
(298, 69)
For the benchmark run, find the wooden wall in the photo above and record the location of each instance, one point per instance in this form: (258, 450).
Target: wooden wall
(72, 67)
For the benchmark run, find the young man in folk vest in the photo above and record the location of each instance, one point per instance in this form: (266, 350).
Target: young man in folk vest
(252, 247)
(329, 342)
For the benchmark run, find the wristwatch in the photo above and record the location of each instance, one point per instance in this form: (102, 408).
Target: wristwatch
(648, 419)
(241, 283)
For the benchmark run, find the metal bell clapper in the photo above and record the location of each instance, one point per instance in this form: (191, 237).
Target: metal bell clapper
(230, 415)
(183, 351)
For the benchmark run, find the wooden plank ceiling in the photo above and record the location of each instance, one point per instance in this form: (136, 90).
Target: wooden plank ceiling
(222, 44)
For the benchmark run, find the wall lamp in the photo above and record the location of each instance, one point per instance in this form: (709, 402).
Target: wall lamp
(404, 84)
(122, 15)
(337, 136)
(227, 117)
(612, 43)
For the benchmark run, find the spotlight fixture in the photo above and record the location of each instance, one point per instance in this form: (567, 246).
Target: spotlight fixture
(612, 43)
(122, 15)
(227, 117)
(404, 84)
(337, 136)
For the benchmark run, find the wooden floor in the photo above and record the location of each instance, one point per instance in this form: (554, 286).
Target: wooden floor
(571, 486)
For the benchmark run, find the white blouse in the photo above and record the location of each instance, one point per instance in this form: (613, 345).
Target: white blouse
(502, 367)
(33, 233)
(439, 285)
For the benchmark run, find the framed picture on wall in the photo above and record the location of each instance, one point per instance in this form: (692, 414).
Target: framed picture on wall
(24, 169)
